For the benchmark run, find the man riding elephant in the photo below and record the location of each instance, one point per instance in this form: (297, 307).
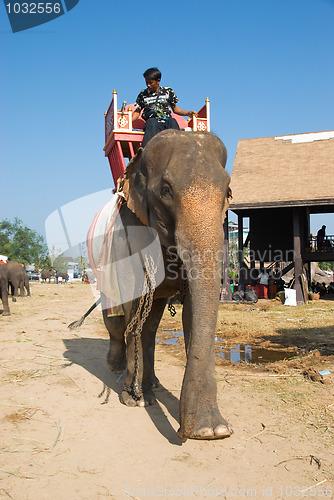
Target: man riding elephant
(156, 101)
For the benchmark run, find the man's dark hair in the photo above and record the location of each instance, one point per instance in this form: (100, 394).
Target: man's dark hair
(152, 74)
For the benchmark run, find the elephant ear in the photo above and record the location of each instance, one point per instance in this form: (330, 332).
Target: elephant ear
(135, 187)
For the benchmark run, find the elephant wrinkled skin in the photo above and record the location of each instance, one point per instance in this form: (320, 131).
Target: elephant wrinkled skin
(178, 187)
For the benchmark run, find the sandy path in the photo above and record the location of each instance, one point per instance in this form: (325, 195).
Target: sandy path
(64, 432)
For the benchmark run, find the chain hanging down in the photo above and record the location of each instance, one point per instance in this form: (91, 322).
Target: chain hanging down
(179, 296)
(143, 310)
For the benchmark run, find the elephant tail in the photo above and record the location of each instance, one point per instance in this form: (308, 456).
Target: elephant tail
(77, 324)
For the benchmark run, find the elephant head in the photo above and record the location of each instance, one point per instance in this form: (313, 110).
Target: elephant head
(174, 172)
(178, 185)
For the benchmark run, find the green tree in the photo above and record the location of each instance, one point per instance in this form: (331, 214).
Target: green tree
(326, 266)
(60, 264)
(234, 261)
(234, 254)
(22, 244)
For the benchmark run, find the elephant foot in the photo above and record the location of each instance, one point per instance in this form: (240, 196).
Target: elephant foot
(210, 427)
(116, 358)
(146, 399)
(6, 313)
(154, 381)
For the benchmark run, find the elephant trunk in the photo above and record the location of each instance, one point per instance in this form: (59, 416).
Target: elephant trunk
(200, 244)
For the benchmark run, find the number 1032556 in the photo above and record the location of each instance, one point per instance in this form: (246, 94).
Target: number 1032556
(313, 491)
(34, 8)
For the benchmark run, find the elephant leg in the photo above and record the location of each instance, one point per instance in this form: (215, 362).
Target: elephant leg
(116, 357)
(21, 287)
(4, 298)
(160, 306)
(27, 286)
(11, 291)
(142, 355)
(205, 420)
(14, 287)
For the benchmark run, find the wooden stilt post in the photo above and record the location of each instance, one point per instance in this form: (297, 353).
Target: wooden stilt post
(241, 253)
(297, 255)
(226, 295)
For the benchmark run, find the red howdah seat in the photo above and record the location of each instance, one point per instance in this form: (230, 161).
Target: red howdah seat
(123, 137)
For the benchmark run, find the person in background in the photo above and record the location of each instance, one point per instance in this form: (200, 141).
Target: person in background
(321, 234)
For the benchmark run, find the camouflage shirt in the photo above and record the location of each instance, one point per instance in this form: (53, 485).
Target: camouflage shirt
(153, 107)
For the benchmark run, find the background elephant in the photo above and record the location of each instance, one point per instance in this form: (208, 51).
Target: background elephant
(4, 291)
(64, 277)
(17, 278)
(47, 274)
(176, 188)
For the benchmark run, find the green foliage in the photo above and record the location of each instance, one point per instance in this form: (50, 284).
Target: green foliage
(326, 266)
(60, 264)
(234, 255)
(22, 244)
(234, 262)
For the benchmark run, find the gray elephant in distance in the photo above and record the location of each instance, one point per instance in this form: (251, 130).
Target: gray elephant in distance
(47, 274)
(178, 189)
(17, 278)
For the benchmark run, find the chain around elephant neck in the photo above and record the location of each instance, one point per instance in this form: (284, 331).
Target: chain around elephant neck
(143, 310)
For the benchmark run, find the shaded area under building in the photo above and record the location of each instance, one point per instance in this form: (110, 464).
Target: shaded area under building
(278, 183)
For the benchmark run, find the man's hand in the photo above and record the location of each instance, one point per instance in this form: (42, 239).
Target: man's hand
(183, 112)
(192, 113)
(135, 115)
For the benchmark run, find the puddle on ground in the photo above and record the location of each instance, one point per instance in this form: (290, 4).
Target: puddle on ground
(173, 341)
(239, 353)
(250, 354)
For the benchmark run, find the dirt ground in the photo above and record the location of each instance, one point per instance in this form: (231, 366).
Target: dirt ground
(64, 433)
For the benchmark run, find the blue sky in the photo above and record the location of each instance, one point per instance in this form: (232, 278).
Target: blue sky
(267, 67)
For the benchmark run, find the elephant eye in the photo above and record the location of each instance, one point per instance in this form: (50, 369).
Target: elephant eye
(166, 192)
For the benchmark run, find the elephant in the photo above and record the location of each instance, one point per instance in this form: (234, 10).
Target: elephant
(17, 278)
(177, 189)
(4, 291)
(64, 277)
(46, 274)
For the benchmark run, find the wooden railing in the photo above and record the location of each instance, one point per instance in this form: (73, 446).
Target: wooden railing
(121, 120)
(328, 245)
